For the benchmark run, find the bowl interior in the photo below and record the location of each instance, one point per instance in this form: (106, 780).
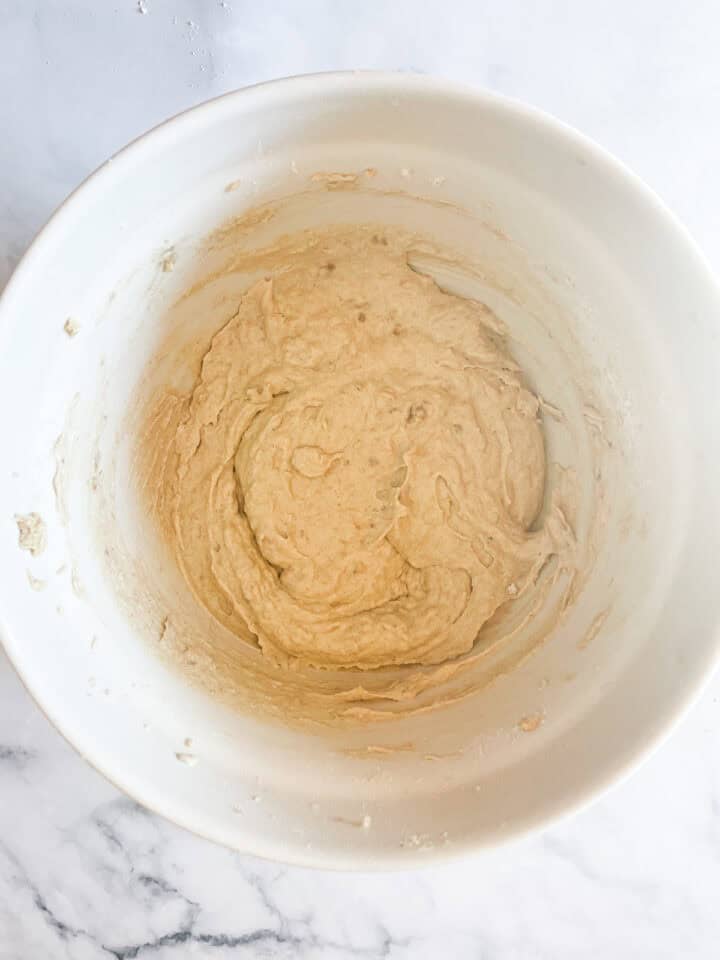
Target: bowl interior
(597, 286)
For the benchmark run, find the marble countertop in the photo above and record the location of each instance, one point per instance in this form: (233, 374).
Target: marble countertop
(85, 872)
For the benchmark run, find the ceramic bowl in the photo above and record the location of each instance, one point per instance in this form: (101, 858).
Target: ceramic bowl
(575, 246)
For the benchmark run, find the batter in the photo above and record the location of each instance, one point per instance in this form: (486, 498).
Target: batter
(355, 480)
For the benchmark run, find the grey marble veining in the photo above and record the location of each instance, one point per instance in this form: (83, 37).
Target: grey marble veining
(86, 873)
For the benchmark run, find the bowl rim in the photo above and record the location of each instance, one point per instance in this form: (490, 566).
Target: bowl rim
(401, 83)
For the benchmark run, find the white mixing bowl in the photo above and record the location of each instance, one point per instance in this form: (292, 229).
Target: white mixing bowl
(572, 241)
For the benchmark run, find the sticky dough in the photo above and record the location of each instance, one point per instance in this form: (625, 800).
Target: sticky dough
(354, 480)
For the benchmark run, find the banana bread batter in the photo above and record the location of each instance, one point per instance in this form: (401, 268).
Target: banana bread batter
(356, 478)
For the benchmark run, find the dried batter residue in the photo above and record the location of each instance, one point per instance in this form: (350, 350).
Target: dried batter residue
(593, 630)
(189, 759)
(339, 180)
(35, 582)
(531, 722)
(32, 532)
(168, 261)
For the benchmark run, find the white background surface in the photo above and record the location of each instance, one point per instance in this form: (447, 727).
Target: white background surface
(86, 873)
